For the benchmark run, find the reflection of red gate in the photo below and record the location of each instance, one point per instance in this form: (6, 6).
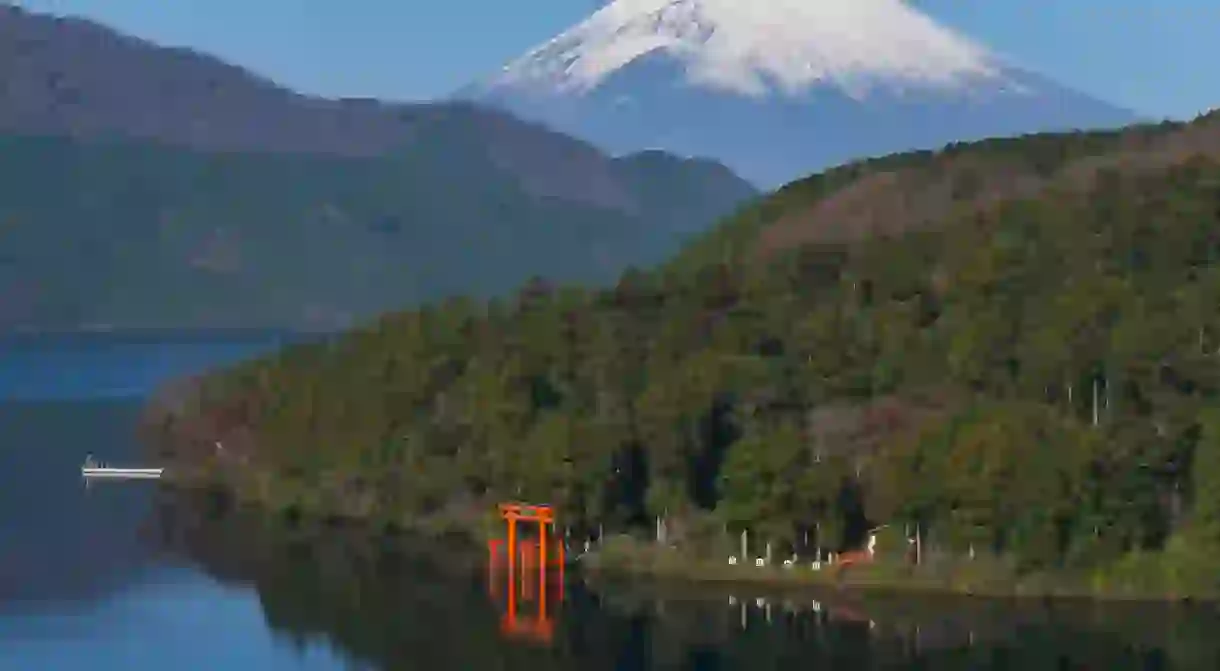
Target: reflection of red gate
(520, 555)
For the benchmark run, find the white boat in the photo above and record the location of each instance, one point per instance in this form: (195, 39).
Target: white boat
(92, 469)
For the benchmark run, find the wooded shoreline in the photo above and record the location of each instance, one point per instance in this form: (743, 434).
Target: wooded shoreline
(1025, 366)
(631, 558)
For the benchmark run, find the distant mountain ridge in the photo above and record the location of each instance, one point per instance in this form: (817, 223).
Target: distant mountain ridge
(61, 78)
(72, 77)
(160, 188)
(777, 89)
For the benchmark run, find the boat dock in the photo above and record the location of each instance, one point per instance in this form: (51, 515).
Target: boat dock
(93, 469)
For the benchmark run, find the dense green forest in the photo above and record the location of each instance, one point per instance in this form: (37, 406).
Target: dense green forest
(1029, 373)
(136, 235)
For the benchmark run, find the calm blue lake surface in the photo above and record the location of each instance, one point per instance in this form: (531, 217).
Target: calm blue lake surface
(99, 366)
(127, 577)
(82, 586)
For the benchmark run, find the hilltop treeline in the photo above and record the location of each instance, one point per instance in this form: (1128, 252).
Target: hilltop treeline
(1033, 376)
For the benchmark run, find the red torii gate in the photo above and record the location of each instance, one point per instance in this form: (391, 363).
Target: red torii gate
(541, 628)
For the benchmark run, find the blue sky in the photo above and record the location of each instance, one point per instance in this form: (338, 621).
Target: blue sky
(1152, 56)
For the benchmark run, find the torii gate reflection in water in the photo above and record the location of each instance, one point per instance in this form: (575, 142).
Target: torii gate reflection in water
(521, 557)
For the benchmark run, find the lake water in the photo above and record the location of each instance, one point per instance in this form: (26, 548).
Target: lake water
(124, 576)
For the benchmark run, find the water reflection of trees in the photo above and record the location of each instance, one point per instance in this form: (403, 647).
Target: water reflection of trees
(395, 606)
(410, 606)
(843, 630)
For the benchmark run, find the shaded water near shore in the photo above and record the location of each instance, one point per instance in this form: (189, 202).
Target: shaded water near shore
(126, 576)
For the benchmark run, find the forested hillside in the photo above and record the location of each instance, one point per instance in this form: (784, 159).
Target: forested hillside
(147, 187)
(1027, 367)
(133, 235)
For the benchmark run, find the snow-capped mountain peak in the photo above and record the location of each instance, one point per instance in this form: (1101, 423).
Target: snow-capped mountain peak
(776, 89)
(752, 47)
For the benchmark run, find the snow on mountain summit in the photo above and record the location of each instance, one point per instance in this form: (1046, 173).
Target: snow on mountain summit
(749, 46)
(778, 89)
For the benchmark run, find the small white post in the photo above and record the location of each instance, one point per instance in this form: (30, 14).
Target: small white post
(1094, 401)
